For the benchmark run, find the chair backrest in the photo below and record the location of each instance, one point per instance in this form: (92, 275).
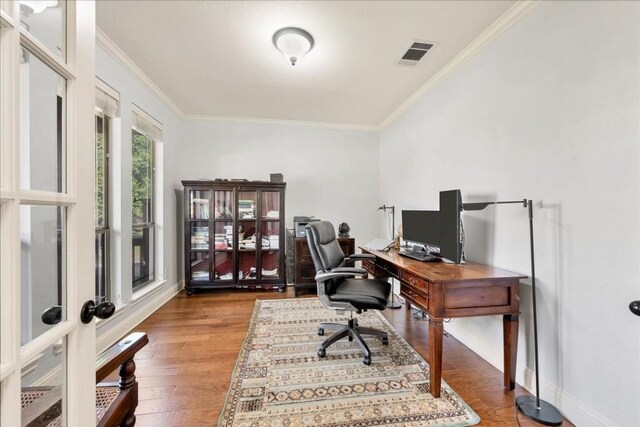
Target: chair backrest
(323, 246)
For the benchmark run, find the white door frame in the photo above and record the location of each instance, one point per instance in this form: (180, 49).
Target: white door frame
(79, 70)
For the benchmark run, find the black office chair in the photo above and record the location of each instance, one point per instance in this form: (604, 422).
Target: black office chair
(339, 289)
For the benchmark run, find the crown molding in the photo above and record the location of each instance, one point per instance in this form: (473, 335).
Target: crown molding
(296, 123)
(116, 53)
(512, 15)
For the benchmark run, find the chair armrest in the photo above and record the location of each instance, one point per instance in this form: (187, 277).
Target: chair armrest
(323, 277)
(360, 257)
(118, 354)
(352, 270)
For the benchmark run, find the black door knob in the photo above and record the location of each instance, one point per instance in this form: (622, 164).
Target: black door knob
(104, 310)
(52, 315)
(635, 307)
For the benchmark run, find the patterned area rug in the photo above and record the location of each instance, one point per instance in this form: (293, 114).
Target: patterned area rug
(280, 381)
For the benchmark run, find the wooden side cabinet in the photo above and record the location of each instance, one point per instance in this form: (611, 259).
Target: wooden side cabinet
(305, 272)
(234, 235)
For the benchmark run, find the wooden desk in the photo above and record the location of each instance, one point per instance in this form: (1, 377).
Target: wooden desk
(454, 290)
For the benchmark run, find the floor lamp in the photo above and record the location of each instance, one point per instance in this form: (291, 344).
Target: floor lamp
(532, 407)
(392, 303)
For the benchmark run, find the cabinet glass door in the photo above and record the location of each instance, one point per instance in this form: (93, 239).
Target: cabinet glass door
(223, 250)
(271, 242)
(247, 235)
(223, 238)
(199, 235)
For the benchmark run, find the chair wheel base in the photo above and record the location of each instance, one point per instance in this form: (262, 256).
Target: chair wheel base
(322, 352)
(366, 360)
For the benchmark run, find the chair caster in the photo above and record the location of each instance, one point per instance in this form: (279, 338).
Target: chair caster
(322, 352)
(320, 331)
(350, 338)
(385, 341)
(367, 360)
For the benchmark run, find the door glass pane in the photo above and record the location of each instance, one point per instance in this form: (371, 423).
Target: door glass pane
(223, 266)
(44, 19)
(199, 266)
(199, 204)
(42, 387)
(270, 204)
(247, 249)
(223, 202)
(246, 204)
(43, 258)
(270, 253)
(102, 269)
(101, 200)
(42, 126)
(270, 264)
(200, 236)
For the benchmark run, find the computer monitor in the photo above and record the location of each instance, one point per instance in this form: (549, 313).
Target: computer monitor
(421, 227)
(450, 227)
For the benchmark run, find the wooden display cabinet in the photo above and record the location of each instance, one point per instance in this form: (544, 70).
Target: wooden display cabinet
(234, 235)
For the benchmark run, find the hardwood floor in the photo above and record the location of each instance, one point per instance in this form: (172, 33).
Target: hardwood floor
(185, 371)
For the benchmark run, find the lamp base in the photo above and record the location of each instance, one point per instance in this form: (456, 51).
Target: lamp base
(393, 303)
(546, 414)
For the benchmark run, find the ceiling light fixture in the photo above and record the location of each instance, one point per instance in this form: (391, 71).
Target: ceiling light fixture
(293, 42)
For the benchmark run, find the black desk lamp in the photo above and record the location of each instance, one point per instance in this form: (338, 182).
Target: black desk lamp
(392, 303)
(532, 407)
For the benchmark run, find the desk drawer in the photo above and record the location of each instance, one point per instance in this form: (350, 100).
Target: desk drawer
(374, 270)
(416, 282)
(415, 297)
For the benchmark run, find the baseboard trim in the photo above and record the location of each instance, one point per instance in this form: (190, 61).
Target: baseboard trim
(571, 408)
(129, 321)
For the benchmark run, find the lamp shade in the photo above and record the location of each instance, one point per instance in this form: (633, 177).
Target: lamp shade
(293, 42)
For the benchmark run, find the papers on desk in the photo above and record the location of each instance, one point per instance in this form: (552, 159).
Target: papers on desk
(379, 244)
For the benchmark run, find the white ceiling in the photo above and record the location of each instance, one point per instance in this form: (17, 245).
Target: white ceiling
(217, 58)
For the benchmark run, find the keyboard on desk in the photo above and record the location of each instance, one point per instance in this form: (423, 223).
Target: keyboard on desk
(420, 256)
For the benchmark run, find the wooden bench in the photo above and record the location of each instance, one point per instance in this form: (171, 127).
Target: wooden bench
(115, 402)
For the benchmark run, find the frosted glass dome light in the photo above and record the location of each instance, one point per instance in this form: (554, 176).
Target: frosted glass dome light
(293, 42)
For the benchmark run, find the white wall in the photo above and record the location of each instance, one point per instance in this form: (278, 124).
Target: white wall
(330, 174)
(133, 91)
(548, 111)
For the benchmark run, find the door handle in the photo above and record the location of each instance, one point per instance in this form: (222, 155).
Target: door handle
(52, 315)
(104, 310)
(635, 307)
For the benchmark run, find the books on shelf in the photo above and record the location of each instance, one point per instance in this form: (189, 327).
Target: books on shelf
(246, 209)
(200, 275)
(272, 215)
(200, 238)
(199, 208)
(266, 273)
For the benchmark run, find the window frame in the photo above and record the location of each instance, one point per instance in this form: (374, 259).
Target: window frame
(105, 229)
(137, 284)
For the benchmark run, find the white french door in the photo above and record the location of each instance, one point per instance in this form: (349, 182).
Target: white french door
(47, 69)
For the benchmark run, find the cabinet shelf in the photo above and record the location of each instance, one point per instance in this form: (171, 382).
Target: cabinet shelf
(223, 203)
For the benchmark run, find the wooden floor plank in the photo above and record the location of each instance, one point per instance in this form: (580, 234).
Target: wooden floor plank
(185, 372)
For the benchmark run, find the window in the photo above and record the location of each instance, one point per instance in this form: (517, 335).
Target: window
(143, 200)
(106, 110)
(102, 208)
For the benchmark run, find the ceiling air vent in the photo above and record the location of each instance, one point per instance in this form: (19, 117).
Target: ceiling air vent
(415, 53)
